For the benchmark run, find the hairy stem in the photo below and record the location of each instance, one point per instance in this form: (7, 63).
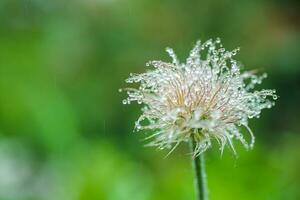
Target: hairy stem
(199, 173)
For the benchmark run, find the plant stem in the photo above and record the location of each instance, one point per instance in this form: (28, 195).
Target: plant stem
(199, 173)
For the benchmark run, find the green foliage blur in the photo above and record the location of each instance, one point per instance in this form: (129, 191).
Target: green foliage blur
(64, 133)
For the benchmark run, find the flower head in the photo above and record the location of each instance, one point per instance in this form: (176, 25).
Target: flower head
(206, 98)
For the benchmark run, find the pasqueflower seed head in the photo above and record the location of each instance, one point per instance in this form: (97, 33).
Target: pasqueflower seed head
(206, 98)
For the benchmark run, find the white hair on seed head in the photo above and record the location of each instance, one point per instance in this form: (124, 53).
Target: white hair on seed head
(204, 98)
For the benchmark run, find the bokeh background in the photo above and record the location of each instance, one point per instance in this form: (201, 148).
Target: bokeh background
(64, 133)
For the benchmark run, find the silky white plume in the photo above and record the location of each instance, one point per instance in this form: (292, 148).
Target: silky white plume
(206, 98)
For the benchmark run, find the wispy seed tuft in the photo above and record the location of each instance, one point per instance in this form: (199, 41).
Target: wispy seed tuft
(207, 97)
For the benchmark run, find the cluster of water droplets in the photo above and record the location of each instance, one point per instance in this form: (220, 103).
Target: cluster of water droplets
(207, 97)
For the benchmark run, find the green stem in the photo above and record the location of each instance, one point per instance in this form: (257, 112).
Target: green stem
(199, 173)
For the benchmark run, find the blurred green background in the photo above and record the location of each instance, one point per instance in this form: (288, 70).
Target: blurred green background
(64, 134)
